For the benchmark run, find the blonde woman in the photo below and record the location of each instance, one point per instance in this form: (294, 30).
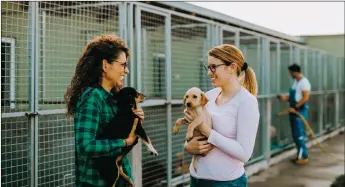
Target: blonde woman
(235, 114)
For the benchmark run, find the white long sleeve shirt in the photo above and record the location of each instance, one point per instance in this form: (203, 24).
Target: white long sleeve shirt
(234, 131)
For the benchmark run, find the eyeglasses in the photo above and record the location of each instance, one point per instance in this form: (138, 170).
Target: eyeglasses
(213, 67)
(124, 64)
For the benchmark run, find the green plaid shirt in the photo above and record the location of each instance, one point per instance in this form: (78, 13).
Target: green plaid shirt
(92, 114)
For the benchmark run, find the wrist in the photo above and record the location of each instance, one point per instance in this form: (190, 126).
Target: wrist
(125, 142)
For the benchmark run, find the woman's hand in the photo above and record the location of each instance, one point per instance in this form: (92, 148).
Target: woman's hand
(140, 113)
(130, 140)
(197, 146)
(189, 115)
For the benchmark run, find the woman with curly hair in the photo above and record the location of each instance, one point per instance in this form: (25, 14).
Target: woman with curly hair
(99, 73)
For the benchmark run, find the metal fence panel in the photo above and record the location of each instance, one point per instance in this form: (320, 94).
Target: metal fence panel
(15, 152)
(259, 148)
(65, 28)
(314, 112)
(229, 37)
(190, 41)
(154, 168)
(153, 56)
(274, 69)
(55, 150)
(311, 70)
(285, 60)
(250, 45)
(342, 108)
(281, 123)
(180, 158)
(329, 111)
(15, 54)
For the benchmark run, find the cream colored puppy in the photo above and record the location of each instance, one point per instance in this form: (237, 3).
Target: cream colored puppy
(195, 101)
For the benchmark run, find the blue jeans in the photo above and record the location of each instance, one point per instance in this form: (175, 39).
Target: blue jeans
(239, 182)
(298, 133)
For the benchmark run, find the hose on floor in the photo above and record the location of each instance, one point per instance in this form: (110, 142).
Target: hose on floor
(310, 130)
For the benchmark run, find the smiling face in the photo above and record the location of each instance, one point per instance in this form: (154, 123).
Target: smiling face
(221, 73)
(194, 97)
(115, 72)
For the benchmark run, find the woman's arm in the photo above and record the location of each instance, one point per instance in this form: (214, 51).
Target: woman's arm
(86, 126)
(242, 147)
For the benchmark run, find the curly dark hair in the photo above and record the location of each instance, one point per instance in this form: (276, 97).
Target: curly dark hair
(88, 71)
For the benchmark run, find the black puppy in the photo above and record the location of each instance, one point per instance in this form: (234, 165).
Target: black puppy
(123, 124)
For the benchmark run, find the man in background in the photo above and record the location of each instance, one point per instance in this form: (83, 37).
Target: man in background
(298, 97)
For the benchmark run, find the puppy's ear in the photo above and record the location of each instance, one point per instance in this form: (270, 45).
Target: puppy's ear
(184, 100)
(204, 99)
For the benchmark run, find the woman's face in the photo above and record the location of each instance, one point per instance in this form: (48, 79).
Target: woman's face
(115, 73)
(219, 72)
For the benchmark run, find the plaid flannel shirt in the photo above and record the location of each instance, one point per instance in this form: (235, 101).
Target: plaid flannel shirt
(92, 114)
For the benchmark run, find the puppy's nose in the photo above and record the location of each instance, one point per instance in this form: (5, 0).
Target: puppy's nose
(189, 105)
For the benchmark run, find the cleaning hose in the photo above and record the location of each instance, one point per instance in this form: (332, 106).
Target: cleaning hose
(310, 130)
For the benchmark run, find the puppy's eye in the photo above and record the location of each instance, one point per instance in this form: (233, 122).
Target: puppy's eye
(187, 96)
(194, 96)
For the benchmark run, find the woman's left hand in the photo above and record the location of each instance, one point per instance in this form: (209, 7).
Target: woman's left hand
(139, 112)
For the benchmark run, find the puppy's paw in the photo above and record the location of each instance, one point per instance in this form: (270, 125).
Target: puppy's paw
(152, 150)
(175, 130)
(189, 136)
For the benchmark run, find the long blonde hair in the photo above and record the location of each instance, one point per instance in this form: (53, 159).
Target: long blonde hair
(231, 54)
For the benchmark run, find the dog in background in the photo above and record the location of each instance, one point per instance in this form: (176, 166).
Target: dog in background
(195, 101)
(124, 123)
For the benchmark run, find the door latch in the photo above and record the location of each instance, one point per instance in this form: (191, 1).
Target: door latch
(31, 114)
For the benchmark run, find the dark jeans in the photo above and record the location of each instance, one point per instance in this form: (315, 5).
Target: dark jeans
(239, 182)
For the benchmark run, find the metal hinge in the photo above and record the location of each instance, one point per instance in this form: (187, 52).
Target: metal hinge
(31, 114)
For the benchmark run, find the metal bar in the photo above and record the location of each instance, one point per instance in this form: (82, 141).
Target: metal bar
(12, 115)
(131, 43)
(44, 18)
(122, 23)
(334, 74)
(254, 160)
(266, 130)
(36, 86)
(153, 102)
(319, 61)
(138, 46)
(266, 64)
(321, 114)
(33, 9)
(291, 54)
(177, 102)
(336, 116)
(237, 39)
(143, 61)
(153, 10)
(85, 5)
(50, 112)
(221, 37)
(278, 68)
(169, 93)
(136, 155)
(122, 20)
(306, 53)
(172, 12)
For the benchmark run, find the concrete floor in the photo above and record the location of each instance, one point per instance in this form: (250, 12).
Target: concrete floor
(321, 170)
